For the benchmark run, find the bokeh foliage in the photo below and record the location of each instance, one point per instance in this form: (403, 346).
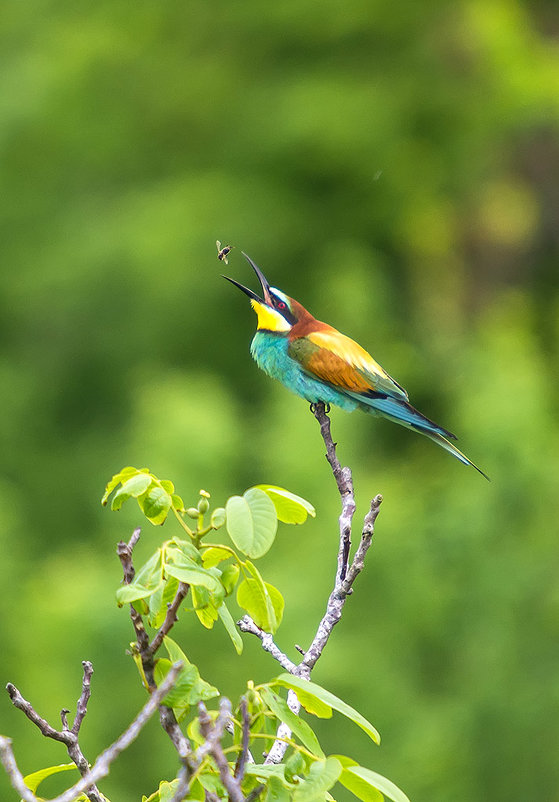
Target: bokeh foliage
(395, 168)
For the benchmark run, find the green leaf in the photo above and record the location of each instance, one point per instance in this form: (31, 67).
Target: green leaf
(33, 780)
(295, 764)
(189, 687)
(300, 728)
(322, 776)
(278, 602)
(211, 782)
(229, 624)
(196, 791)
(265, 771)
(230, 577)
(178, 548)
(296, 683)
(253, 596)
(185, 682)
(204, 607)
(159, 601)
(215, 555)
(150, 574)
(277, 791)
(218, 517)
(177, 502)
(290, 509)
(252, 522)
(119, 477)
(145, 583)
(155, 504)
(132, 592)
(202, 690)
(375, 781)
(194, 575)
(132, 487)
(358, 787)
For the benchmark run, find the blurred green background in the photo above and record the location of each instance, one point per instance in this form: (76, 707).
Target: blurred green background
(396, 169)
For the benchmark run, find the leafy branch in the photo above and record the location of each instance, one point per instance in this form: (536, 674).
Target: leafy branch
(187, 574)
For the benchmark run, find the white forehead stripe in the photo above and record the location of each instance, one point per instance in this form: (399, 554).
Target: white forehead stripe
(280, 295)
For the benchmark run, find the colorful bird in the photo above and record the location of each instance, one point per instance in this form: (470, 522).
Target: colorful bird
(317, 362)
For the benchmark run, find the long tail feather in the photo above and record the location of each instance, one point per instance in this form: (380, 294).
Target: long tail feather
(451, 448)
(403, 413)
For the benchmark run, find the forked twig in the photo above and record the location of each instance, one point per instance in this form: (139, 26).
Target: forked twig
(103, 763)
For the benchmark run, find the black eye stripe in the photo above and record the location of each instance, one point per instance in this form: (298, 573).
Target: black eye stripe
(283, 308)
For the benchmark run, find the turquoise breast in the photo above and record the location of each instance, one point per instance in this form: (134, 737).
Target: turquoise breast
(270, 353)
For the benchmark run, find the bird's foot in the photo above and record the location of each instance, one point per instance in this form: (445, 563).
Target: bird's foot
(313, 407)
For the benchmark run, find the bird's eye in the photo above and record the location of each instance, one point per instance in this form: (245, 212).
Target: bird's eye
(281, 305)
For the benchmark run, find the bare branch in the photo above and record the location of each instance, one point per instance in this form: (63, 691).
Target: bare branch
(124, 552)
(213, 733)
(344, 482)
(67, 736)
(338, 597)
(81, 709)
(105, 759)
(43, 725)
(246, 624)
(366, 539)
(345, 577)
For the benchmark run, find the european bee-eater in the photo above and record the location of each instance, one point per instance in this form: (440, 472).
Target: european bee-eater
(317, 362)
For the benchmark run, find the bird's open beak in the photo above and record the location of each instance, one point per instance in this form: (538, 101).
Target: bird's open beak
(266, 299)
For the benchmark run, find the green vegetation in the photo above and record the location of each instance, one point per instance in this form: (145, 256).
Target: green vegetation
(394, 169)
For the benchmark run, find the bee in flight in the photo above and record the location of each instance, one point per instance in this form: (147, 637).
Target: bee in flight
(222, 253)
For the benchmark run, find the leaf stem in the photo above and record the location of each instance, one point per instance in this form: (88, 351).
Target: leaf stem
(184, 525)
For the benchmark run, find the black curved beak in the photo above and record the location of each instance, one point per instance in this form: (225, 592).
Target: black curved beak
(266, 299)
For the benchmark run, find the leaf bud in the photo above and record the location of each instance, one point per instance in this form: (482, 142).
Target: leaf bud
(192, 512)
(203, 505)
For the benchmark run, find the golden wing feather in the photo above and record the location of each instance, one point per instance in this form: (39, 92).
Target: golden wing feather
(344, 363)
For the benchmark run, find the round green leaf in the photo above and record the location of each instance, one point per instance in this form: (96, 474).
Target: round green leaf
(252, 522)
(239, 522)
